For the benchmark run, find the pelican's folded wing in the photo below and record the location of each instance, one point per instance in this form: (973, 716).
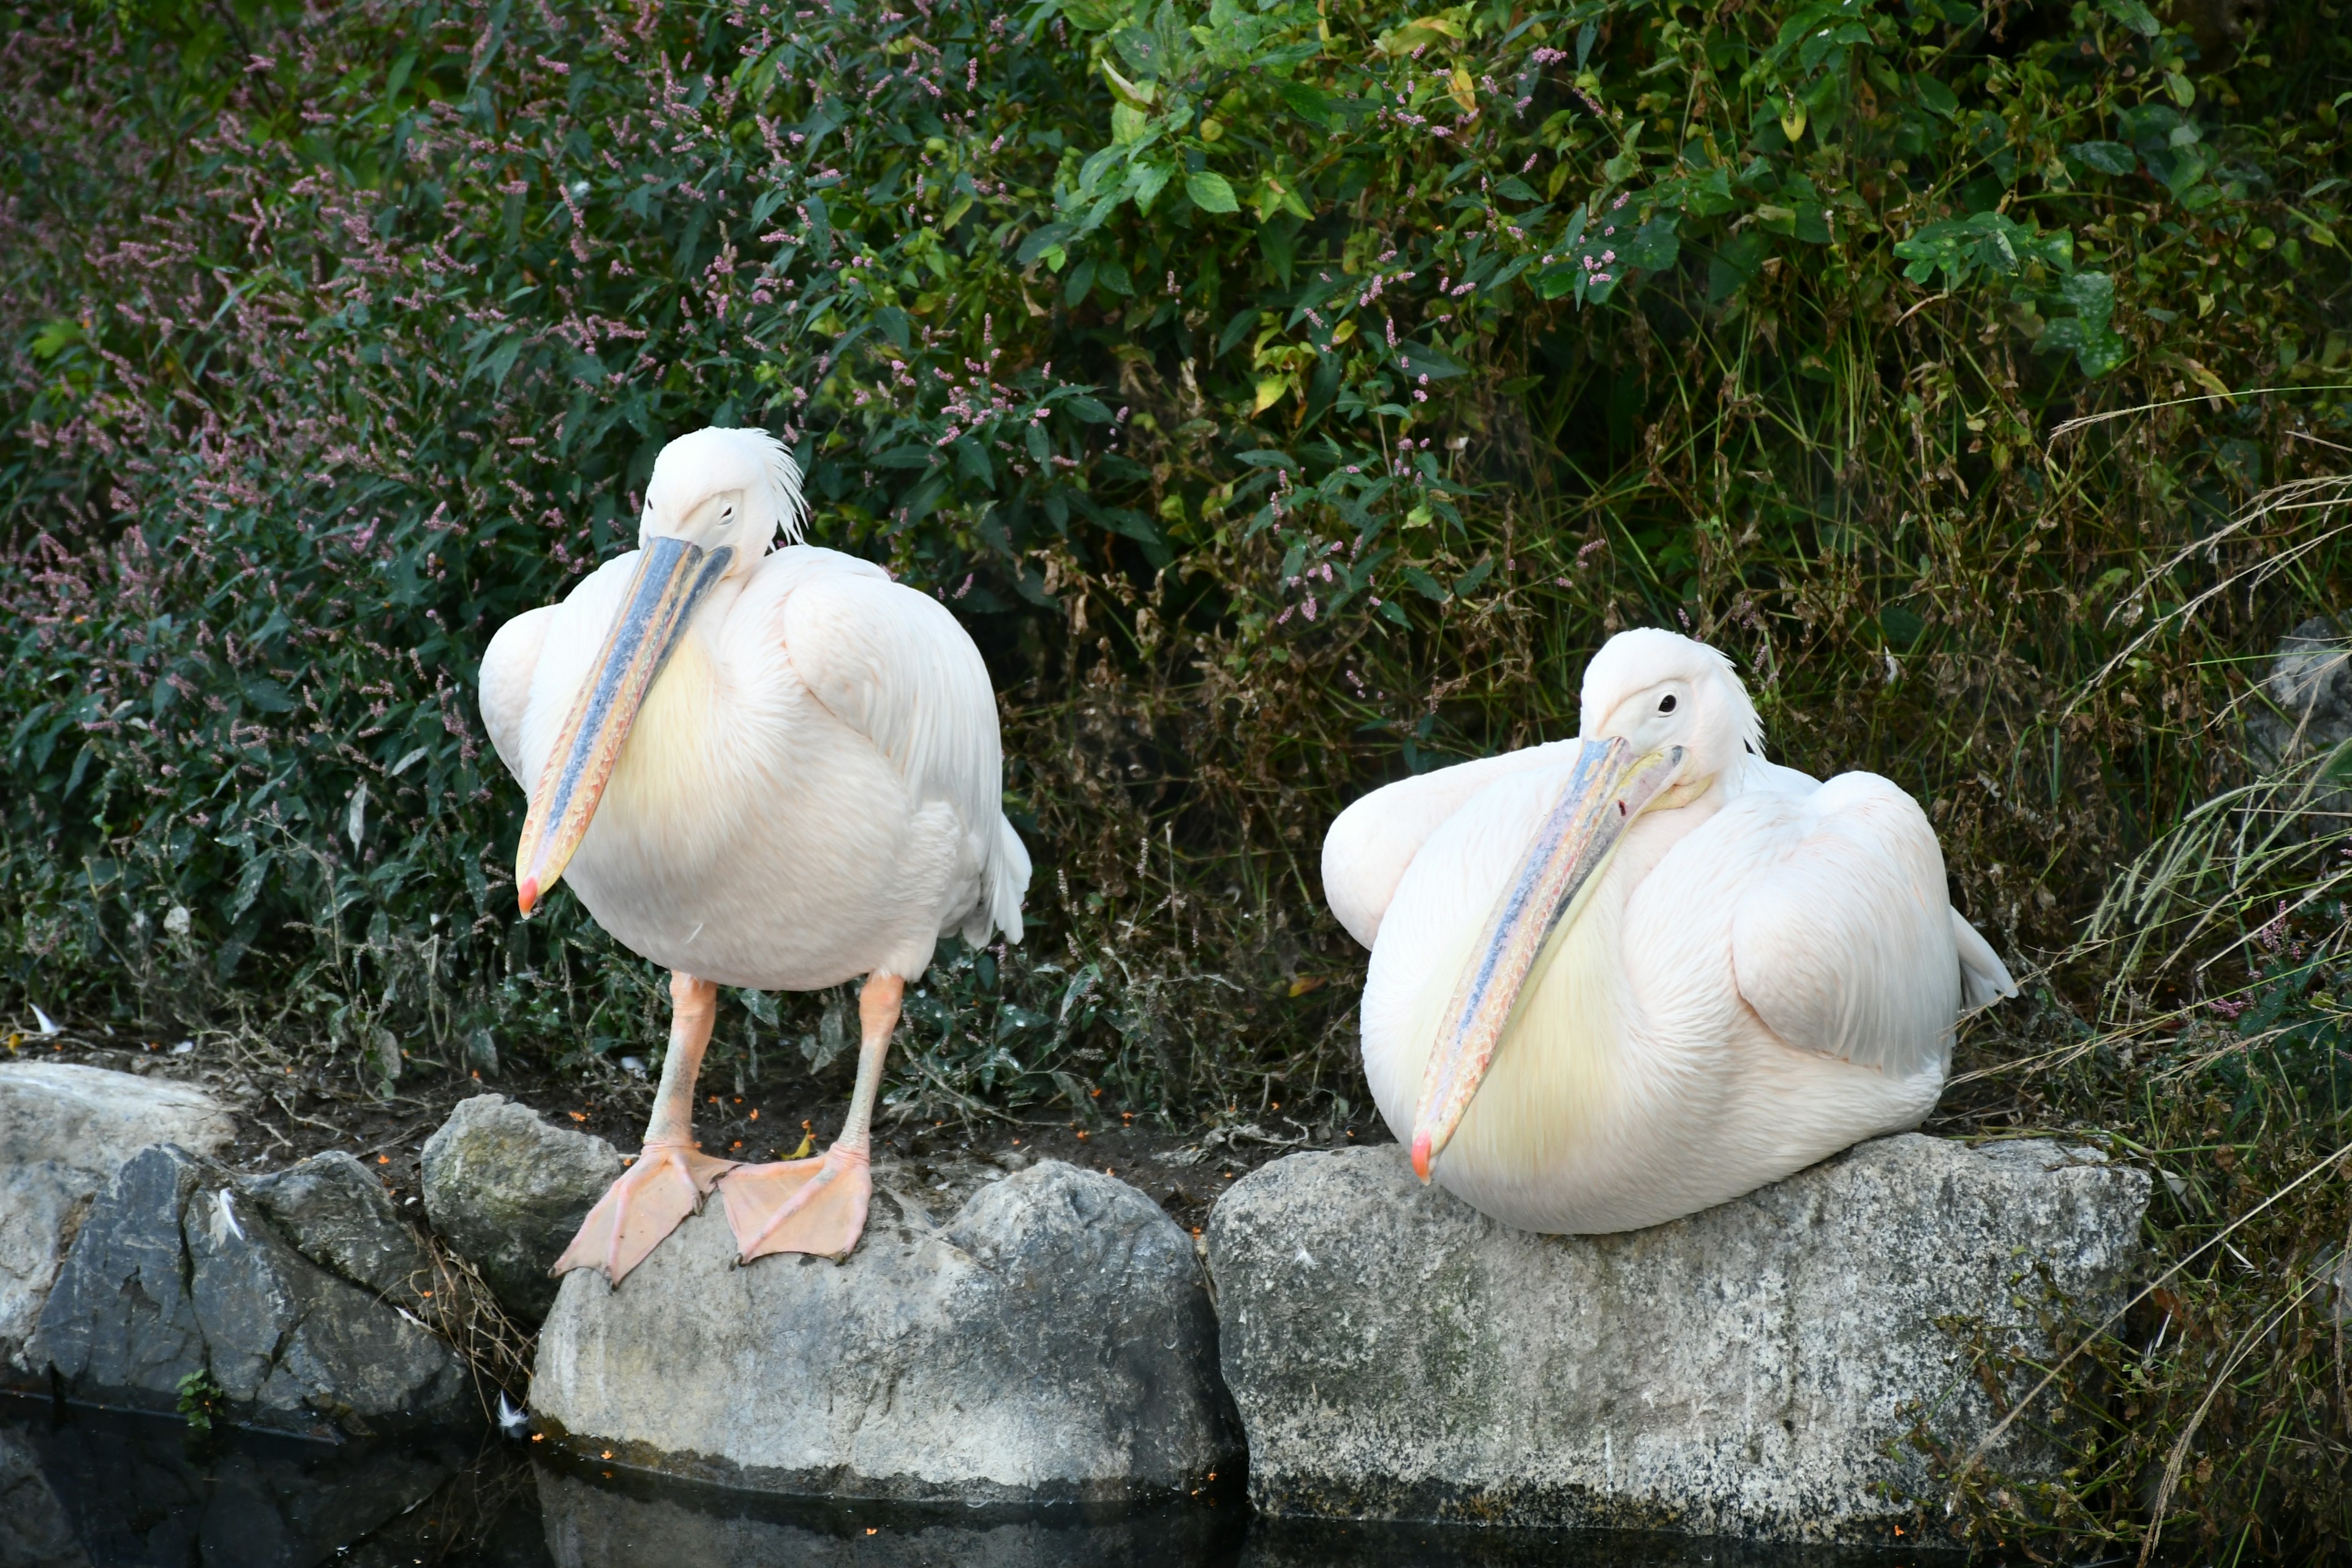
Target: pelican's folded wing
(894, 665)
(1369, 846)
(507, 667)
(1844, 944)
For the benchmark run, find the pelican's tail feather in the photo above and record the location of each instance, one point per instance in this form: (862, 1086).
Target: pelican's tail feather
(1008, 880)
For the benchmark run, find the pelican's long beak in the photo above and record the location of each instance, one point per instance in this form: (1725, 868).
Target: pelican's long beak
(672, 578)
(1608, 787)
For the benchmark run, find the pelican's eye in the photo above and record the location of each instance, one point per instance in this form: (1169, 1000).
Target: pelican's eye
(1666, 703)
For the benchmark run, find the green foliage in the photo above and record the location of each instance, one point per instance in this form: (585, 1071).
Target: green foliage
(202, 1400)
(1287, 397)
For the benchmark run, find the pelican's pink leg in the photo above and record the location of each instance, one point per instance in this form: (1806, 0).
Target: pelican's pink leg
(671, 1177)
(819, 1205)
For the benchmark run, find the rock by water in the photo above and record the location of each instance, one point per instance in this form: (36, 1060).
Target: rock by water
(1752, 1370)
(1052, 1342)
(507, 1191)
(336, 1213)
(176, 1271)
(65, 1130)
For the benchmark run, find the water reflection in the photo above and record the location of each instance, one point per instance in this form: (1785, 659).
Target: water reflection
(596, 1522)
(84, 1489)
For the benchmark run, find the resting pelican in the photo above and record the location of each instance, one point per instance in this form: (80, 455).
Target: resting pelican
(1618, 979)
(771, 769)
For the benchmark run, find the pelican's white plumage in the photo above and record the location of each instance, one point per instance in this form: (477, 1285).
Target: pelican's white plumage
(811, 790)
(1765, 970)
(777, 769)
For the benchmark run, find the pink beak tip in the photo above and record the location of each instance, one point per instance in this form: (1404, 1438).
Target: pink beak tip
(528, 894)
(1420, 1156)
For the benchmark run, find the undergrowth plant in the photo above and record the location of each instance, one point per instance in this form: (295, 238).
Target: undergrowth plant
(1288, 397)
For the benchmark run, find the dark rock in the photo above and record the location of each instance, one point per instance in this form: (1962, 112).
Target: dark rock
(507, 1191)
(65, 1130)
(336, 1213)
(172, 1275)
(1756, 1369)
(1052, 1342)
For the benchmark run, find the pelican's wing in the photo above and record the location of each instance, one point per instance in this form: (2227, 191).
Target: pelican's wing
(896, 667)
(1369, 846)
(1843, 944)
(507, 670)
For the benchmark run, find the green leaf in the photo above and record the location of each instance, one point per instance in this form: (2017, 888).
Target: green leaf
(267, 695)
(1309, 102)
(1419, 359)
(1042, 240)
(2106, 157)
(1988, 242)
(1934, 96)
(2135, 15)
(1209, 192)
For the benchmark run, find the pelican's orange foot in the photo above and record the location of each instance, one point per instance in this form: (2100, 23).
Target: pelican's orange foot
(816, 1206)
(651, 1199)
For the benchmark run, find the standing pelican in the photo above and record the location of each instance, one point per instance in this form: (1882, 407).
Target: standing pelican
(1618, 979)
(772, 769)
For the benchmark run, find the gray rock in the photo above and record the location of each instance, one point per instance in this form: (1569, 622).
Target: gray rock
(590, 1525)
(1052, 1342)
(337, 1215)
(1752, 1370)
(172, 1275)
(508, 1191)
(2302, 713)
(65, 1130)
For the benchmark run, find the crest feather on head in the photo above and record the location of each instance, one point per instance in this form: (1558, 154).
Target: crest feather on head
(718, 457)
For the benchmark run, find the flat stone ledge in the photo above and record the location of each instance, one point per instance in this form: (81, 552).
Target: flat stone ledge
(1752, 1370)
(1052, 1342)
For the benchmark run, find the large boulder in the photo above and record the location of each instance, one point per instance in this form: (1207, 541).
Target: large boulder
(1052, 1342)
(1754, 1370)
(507, 1191)
(173, 1274)
(65, 1130)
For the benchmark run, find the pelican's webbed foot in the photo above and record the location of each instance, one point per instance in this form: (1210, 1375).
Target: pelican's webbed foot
(649, 1200)
(816, 1206)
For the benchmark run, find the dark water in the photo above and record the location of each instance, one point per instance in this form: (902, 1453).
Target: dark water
(88, 1488)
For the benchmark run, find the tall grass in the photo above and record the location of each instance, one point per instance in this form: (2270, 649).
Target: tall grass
(1288, 397)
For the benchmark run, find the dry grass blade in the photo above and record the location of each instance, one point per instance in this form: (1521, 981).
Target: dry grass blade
(2238, 1353)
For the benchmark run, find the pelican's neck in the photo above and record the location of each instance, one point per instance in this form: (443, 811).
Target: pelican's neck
(666, 763)
(1564, 1061)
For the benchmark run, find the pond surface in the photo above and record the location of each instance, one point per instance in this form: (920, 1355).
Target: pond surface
(92, 1489)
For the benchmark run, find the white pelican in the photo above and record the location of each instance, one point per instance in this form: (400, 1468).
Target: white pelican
(1618, 979)
(771, 769)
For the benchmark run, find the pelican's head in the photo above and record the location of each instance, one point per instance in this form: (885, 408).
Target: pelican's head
(1654, 690)
(717, 501)
(1664, 719)
(724, 489)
